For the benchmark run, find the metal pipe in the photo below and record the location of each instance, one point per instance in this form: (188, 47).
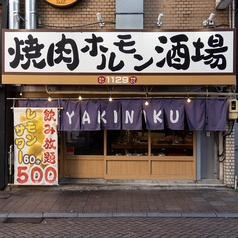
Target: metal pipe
(14, 16)
(233, 14)
(10, 160)
(235, 187)
(30, 14)
(220, 151)
(215, 157)
(220, 98)
(144, 93)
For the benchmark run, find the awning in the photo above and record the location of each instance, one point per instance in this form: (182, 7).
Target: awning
(200, 114)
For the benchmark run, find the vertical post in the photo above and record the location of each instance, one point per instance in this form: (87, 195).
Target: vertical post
(221, 164)
(198, 155)
(236, 122)
(3, 154)
(236, 26)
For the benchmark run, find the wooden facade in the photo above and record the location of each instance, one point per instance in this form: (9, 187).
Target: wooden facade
(128, 167)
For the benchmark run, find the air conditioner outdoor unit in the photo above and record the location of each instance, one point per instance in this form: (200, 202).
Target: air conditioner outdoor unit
(222, 4)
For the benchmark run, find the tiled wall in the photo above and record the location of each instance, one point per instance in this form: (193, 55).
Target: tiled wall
(229, 162)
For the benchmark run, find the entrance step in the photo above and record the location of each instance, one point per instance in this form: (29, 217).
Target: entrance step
(102, 184)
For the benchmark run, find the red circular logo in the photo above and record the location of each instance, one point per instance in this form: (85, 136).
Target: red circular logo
(133, 79)
(101, 79)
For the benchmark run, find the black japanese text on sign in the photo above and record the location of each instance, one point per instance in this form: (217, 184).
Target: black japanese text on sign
(119, 52)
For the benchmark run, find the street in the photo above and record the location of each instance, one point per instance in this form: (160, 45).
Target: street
(123, 227)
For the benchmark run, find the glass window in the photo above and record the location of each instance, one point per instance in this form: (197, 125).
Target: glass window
(84, 142)
(128, 143)
(172, 143)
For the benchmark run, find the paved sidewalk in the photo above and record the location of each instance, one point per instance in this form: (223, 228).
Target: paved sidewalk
(212, 202)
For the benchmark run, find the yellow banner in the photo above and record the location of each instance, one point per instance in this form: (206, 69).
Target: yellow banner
(35, 146)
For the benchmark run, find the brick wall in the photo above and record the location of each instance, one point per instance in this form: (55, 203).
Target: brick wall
(182, 14)
(178, 14)
(229, 163)
(81, 16)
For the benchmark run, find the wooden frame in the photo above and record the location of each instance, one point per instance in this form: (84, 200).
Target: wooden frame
(131, 167)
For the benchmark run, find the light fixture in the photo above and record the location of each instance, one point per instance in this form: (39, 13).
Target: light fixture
(110, 98)
(80, 97)
(38, 20)
(16, 16)
(209, 21)
(146, 100)
(159, 20)
(101, 22)
(49, 98)
(188, 100)
(20, 90)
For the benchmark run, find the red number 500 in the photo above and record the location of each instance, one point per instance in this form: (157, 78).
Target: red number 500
(36, 174)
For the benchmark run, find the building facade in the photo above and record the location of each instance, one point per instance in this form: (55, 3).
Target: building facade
(202, 149)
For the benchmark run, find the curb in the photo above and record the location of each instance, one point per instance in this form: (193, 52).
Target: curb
(101, 215)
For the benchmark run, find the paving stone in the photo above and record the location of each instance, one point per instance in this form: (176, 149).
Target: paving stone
(2, 215)
(118, 227)
(218, 203)
(227, 214)
(119, 201)
(129, 215)
(199, 215)
(95, 215)
(25, 215)
(59, 215)
(164, 214)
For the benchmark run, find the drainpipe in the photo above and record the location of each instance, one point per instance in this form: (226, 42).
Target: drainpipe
(30, 14)
(10, 163)
(233, 14)
(220, 158)
(215, 156)
(14, 17)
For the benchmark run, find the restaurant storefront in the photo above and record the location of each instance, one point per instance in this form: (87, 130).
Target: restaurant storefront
(139, 135)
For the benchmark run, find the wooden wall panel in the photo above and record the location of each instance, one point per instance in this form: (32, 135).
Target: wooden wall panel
(127, 167)
(150, 168)
(173, 169)
(88, 167)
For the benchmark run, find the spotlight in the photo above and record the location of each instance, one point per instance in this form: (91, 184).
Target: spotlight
(159, 20)
(49, 98)
(80, 97)
(20, 90)
(99, 17)
(209, 21)
(146, 102)
(188, 100)
(16, 16)
(110, 98)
